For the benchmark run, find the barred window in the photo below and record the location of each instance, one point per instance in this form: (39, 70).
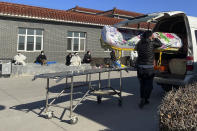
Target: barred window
(30, 39)
(76, 41)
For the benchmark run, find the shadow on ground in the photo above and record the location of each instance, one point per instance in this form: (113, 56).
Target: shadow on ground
(127, 117)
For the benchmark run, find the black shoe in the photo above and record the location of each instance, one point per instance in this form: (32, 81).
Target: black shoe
(142, 103)
(147, 101)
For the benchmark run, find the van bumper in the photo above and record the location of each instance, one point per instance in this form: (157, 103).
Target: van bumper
(173, 81)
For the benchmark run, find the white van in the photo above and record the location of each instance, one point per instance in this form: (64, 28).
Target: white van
(182, 66)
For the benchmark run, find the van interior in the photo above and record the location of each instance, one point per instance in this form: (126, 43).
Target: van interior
(172, 63)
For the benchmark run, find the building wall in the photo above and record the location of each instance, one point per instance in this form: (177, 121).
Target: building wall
(54, 37)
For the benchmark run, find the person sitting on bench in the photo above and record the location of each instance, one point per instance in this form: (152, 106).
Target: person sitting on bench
(87, 57)
(19, 59)
(42, 59)
(75, 60)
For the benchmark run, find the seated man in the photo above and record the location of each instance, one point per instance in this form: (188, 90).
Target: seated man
(42, 59)
(19, 59)
(87, 57)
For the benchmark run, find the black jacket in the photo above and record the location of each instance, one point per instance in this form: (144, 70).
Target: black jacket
(40, 58)
(145, 49)
(68, 58)
(87, 58)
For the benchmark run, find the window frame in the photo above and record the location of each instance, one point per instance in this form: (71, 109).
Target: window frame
(79, 41)
(34, 38)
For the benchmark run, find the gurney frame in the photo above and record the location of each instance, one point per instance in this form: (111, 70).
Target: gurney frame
(71, 74)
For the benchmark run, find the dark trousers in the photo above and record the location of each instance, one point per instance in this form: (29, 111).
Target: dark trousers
(145, 76)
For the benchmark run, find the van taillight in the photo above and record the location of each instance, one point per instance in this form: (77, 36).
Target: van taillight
(190, 62)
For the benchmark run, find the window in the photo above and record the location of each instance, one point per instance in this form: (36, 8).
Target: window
(76, 41)
(30, 39)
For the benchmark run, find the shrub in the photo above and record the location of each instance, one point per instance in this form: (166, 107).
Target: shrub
(178, 110)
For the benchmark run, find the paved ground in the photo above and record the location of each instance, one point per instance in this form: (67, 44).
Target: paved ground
(21, 101)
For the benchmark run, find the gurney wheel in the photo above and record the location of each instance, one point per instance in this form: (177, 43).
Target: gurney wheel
(74, 120)
(119, 102)
(99, 99)
(49, 114)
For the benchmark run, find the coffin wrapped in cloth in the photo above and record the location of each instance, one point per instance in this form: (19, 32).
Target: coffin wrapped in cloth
(111, 37)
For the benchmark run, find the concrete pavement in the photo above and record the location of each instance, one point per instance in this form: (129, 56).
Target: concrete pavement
(21, 101)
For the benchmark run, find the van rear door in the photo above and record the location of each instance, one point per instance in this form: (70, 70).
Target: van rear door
(154, 17)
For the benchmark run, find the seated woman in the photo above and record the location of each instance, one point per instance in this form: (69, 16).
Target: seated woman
(42, 59)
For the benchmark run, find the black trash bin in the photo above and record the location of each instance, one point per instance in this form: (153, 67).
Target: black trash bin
(5, 67)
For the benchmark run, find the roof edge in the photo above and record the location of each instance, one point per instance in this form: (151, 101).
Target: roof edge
(64, 21)
(47, 19)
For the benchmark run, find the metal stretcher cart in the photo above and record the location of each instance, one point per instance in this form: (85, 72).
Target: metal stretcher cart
(99, 92)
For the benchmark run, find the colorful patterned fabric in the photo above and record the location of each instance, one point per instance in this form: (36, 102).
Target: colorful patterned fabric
(111, 37)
